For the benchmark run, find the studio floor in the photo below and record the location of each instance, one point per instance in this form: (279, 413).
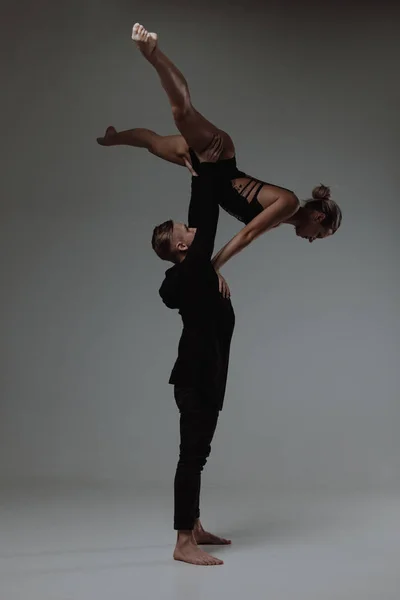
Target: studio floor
(64, 543)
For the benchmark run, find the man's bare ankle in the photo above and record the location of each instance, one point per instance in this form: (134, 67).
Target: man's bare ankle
(184, 536)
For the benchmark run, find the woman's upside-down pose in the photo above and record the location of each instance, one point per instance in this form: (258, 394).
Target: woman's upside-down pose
(260, 205)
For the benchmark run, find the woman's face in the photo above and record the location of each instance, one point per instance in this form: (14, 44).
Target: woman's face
(312, 228)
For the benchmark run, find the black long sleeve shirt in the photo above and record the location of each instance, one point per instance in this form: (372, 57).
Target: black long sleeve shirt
(192, 287)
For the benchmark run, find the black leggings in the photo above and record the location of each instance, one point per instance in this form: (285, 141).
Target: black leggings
(198, 420)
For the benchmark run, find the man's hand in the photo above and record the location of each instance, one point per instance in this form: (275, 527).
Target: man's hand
(213, 150)
(223, 286)
(189, 166)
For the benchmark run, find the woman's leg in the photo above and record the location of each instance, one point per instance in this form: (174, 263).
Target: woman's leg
(172, 148)
(197, 131)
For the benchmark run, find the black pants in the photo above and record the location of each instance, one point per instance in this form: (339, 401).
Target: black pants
(198, 420)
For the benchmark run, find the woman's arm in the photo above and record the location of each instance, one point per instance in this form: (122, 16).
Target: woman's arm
(283, 208)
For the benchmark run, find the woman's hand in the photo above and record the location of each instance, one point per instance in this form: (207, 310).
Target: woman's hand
(223, 286)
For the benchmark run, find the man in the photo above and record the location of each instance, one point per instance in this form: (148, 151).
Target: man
(200, 372)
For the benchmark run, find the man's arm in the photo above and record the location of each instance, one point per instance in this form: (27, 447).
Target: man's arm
(284, 207)
(203, 207)
(203, 215)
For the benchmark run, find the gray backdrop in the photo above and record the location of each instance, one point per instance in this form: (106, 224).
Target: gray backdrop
(308, 94)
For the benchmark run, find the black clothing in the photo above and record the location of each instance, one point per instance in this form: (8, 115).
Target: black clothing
(198, 420)
(192, 287)
(200, 371)
(233, 202)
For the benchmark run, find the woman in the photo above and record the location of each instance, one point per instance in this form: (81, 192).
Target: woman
(260, 205)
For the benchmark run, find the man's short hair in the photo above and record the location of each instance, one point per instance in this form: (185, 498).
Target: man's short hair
(161, 241)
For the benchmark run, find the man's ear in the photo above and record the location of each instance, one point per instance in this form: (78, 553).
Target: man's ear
(181, 247)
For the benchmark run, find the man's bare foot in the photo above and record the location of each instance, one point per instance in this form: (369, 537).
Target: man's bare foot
(209, 539)
(204, 537)
(108, 139)
(186, 550)
(146, 41)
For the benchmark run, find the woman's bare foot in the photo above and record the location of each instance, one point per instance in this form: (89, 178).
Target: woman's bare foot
(204, 537)
(186, 550)
(146, 41)
(109, 136)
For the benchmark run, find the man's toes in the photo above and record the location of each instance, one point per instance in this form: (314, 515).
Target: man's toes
(213, 560)
(222, 541)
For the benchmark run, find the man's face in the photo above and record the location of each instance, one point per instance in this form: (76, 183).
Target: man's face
(312, 228)
(182, 236)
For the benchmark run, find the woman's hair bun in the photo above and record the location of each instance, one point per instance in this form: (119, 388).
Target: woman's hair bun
(321, 192)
